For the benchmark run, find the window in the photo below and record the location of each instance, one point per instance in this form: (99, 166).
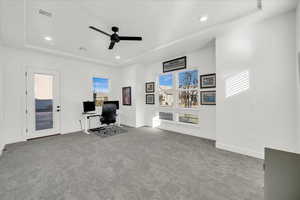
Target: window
(188, 99)
(166, 116)
(177, 90)
(188, 118)
(43, 91)
(188, 79)
(188, 89)
(166, 97)
(100, 90)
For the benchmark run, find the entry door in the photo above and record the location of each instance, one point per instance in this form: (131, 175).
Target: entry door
(43, 105)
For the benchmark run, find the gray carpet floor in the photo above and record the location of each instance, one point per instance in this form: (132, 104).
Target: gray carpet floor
(142, 164)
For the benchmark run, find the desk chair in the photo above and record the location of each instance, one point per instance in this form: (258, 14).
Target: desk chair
(109, 116)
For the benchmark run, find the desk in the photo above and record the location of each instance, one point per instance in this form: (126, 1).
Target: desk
(87, 116)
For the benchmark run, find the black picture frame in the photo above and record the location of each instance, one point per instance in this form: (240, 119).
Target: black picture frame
(202, 77)
(178, 64)
(147, 88)
(207, 103)
(150, 102)
(126, 96)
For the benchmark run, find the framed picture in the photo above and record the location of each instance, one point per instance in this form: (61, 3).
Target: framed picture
(150, 99)
(126, 96)
(150, 87)
(208, 81)
(208, 97)
(176, 64)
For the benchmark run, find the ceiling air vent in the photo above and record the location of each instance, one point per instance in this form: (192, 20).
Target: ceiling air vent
(45, 13)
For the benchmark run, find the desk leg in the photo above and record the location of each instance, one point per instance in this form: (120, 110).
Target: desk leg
(86, 126)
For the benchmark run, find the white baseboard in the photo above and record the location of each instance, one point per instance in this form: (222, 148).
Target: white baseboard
(139, 126)
(239, 150)
(187, 132)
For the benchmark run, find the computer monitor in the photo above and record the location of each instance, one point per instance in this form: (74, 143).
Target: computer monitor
(89, 106)
(112, 102)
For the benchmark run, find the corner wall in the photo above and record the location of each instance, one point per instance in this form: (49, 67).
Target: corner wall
(263, 114)
(131, 77)
(298, 72)
(128, 79)
(2, 139)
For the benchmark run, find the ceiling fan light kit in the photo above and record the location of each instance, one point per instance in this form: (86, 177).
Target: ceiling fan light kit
(115, 38)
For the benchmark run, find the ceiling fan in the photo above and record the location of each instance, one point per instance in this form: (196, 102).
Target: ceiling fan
(115, 38)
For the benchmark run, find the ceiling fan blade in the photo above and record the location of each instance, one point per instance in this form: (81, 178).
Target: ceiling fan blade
(96, 29)
(130, 38)
(111, 45)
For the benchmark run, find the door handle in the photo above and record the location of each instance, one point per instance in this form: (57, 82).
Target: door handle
(58, 110)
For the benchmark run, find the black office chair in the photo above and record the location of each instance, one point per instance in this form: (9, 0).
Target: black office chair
(109, 116)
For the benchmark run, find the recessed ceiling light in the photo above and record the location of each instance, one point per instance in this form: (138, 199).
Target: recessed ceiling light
(118, 57)
(48, 38)
(204, 18)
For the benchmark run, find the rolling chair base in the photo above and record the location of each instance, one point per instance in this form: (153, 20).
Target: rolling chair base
(108, 130)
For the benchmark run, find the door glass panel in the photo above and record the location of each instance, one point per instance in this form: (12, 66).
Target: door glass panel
(43, 93)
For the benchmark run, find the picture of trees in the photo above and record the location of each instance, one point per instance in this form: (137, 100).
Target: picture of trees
(188, 98)
(188, 79)
(188, 85)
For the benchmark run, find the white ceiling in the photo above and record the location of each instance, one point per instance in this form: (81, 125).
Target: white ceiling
(168, 27)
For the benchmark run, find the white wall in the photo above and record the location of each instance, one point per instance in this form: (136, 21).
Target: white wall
(204, 61)
(75, 85)
(265, 114)
(2, 140)
(128, 79)
(298, 71)
(140, 97)
(131, 77)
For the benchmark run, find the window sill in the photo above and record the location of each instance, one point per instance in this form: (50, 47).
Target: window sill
(168, 121)
(180, 123)
(189, 124)
(189, 109)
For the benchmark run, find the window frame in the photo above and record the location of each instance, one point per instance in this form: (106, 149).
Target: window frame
(173, 90)
(100, 77)
(194, 89)
(189, 113)
(176, 109)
